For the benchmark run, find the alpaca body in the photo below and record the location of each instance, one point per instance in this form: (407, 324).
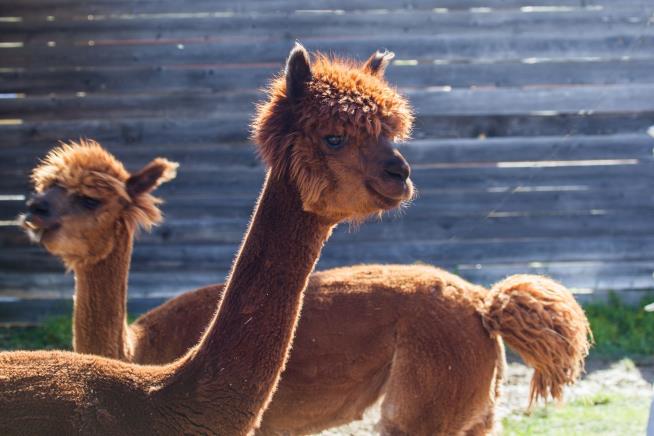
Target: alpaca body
(94, 395)
(412, 333)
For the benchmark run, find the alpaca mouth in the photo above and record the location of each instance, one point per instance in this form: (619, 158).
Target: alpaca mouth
(35, 228)
(390, 200)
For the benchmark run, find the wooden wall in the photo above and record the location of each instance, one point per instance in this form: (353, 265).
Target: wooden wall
(531, 151)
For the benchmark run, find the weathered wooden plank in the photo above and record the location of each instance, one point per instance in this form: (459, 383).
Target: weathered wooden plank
(36, 310)
(297, 6)
(461, 226)
(504, 101)
(228, 128)
(586, 276)
(600, 277)
(211, 209)
(57, 285)
(513, 149)
(106, 79)
(474, 152)
(117, 106)
(632, 283)
(539, 200)
(491, 251)
(500, 101)
(190, 156)
(125, 106)
(542, 124)
(429, 47)
(493, 221)
(462, 253)
(599, 174)
(234, 128)
(194, 78)
(69, 29)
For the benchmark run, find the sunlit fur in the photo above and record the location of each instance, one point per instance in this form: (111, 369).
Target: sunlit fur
(96, 244)
(85, 168)
(342, 98)
(540, 319)
(224, 383)
(427, 341)
(409, 310)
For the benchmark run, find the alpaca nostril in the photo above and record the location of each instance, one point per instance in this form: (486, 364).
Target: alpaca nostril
(398, 169)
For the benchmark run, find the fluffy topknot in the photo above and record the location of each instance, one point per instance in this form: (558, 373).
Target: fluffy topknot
(353, 94)
(365, 103)
(86, 168)
(75, 165)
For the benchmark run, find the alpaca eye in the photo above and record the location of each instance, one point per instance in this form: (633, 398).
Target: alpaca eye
(333, 141)
(90, 203)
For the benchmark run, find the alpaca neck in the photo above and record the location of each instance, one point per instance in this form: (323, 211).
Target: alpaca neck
(99, 312)
(237, 364)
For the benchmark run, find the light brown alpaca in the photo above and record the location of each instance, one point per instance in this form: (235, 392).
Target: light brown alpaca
(324, 166)
(95, 232)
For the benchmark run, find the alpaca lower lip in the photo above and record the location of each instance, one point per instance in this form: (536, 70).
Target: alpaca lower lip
(36, 233)
(388, 200)
(30, 221)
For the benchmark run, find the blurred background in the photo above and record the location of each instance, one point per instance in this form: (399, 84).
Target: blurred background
(532, 153)
(532, 149)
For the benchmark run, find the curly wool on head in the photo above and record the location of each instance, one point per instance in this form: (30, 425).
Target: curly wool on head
(341, 91)
(365, 104)
(86, 168)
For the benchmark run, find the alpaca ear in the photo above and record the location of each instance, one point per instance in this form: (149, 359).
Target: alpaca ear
(297, 72)
(152, 175)
(377, 63)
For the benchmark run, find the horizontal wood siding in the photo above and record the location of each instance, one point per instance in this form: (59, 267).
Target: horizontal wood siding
(532, 151)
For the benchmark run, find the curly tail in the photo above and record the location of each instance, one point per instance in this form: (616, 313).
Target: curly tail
(541, 320)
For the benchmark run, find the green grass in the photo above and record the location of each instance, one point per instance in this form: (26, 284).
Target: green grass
(54, 333)
(600, 414)
(621, 330)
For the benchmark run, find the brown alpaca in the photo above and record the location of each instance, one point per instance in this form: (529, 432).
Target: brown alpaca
(358, 321)
(429, 341)
(327, 162)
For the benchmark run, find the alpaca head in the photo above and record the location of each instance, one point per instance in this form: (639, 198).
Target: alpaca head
(331, 125)
(84, 198)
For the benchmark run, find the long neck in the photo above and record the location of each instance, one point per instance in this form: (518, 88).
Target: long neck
(99, 312)
(236, 366)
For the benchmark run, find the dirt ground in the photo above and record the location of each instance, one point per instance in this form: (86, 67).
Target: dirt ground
(617, 377)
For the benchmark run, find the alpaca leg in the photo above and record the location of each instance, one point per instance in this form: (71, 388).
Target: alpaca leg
(441, 382)
(487, 424)
(485, 427)
(431, 408)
